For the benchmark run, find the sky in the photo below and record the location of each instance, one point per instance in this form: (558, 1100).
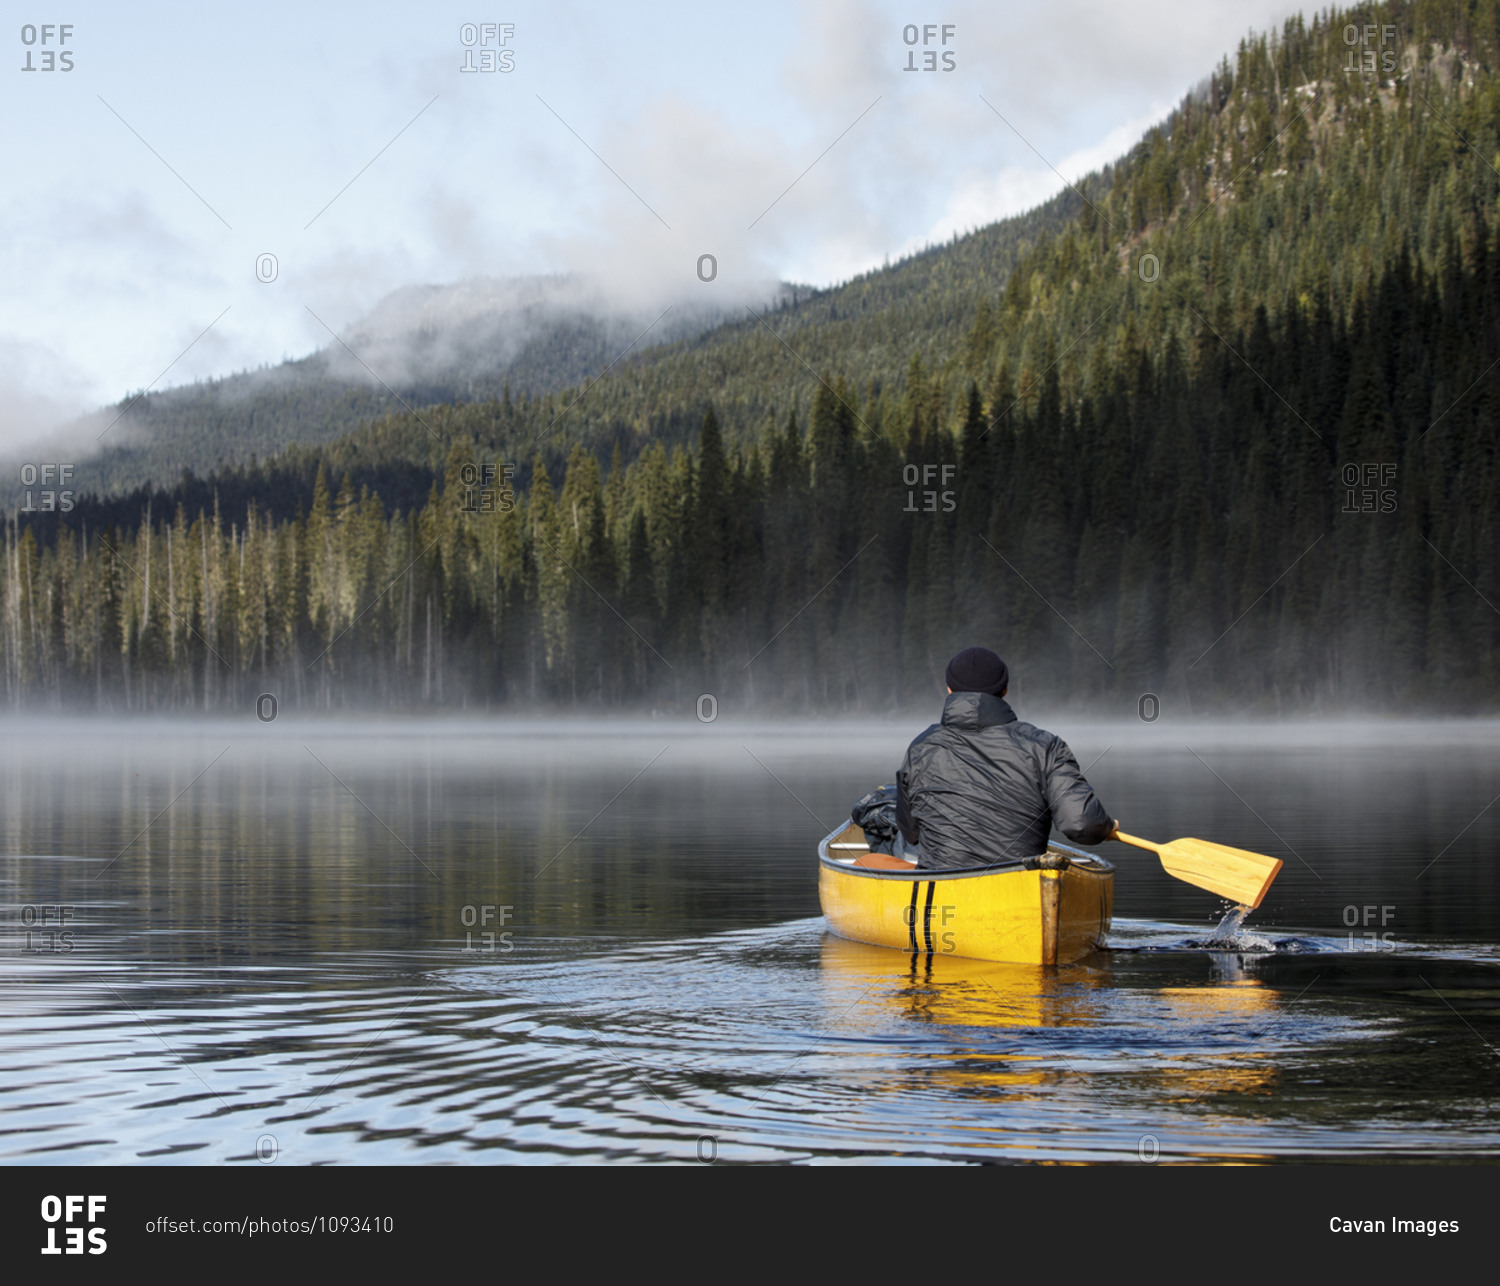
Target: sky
(212, 188)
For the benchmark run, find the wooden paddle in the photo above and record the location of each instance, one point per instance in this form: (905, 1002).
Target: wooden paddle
(1232, 873)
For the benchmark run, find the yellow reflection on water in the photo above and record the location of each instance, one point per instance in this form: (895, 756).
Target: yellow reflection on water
(879, 991)
(956, 991)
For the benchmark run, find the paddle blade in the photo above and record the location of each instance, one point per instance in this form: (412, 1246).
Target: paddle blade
(1232, 873)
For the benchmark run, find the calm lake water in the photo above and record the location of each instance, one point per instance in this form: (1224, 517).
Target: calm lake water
(467, 942)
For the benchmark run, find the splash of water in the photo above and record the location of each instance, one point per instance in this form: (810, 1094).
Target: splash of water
(1230, 934)
(1228, 930)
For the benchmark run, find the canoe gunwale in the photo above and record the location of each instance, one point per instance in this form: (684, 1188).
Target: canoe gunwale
(1077, 859)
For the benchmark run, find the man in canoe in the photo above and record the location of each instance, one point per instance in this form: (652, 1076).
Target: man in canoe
(981, 788)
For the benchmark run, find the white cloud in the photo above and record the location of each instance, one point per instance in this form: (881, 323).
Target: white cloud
(978, 199)
(38, 391)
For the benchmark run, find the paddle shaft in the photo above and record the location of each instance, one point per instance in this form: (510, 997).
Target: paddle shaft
(1139, 843)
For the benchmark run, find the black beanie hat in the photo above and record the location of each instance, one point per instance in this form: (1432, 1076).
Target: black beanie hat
(977, 669)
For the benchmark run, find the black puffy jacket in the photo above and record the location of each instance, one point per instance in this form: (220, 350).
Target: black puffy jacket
(982, 788)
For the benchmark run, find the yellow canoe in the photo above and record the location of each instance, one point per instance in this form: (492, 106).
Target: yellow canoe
(1054, 911)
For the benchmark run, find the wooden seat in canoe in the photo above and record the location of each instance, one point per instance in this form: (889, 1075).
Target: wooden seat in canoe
(883, 862)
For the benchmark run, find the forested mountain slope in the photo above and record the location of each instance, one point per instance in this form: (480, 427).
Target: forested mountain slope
(419, 346)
